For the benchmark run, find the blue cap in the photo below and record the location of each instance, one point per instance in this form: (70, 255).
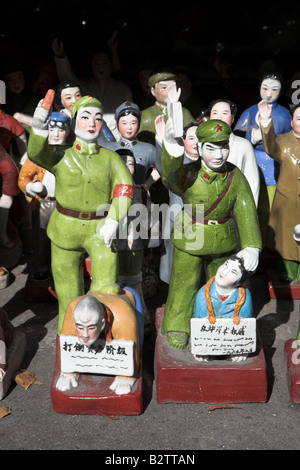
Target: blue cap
(128, 108)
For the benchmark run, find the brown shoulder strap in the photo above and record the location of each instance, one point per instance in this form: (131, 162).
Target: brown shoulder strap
(225, 190)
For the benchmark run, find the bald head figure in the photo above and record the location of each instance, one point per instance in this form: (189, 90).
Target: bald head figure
(89, 319)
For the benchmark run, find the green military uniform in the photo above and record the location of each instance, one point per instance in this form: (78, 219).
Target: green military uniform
(147, 129)
(198, 241)
(89, 180)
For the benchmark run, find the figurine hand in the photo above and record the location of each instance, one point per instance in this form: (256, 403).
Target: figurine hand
(256, 136)
(160, 126)
(173, 93)
(297, 233)
(32, 189)
(173, 145)
(66, 381)
(109, 231)
(238, 357)
(58, 48)
(265, 110)
(250, 257)
(41, 117)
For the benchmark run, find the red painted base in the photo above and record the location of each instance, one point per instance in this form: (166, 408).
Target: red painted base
(93, 395)
(180, 378)
(292, 360)
(278, 290)
(39, 291)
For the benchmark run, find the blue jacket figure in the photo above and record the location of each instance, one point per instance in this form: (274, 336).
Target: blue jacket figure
(248, 124)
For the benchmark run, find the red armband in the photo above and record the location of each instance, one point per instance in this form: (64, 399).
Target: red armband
(123, 190)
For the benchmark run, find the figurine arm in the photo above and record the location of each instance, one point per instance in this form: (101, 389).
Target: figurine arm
(251, 171)
(122, 198)
(247, 222)
(63, 66)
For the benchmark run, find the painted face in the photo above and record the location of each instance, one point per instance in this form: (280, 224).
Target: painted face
(15, 82)
(88, 332)
(296, 122)
(270, 90)
(57, 133)
(128, 126)
(130, 163)
(222, 111)
(229, 274)
(160, 91)
(101, 66)
(213, 155)
(190, 143)
(69, 96)
(88, 124)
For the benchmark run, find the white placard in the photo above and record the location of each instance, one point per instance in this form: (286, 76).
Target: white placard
(114, 358)
(223, 337)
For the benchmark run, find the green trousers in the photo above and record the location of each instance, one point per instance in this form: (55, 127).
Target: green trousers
(67, 271)
(184, 285)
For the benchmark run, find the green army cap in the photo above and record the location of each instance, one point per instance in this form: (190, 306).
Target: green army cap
(84, 102)
(161, 76)
(213, 130)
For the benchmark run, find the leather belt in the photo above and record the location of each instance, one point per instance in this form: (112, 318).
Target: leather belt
(79, 215)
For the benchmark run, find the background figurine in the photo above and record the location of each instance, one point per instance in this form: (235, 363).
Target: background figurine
(128, 119)
(38, 185)
(241, 150)
(270, 88)
(104, 84)
(285, 148)
(90, 315)
(94, 190)
(20, 101)
(66, 94)
(224, 296)
(131, 247)
(190, 141)
(204, 232)
(160, 83)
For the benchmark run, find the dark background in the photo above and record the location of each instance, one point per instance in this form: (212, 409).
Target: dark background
(245, 38)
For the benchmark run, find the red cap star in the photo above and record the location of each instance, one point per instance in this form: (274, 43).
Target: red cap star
(219, 128)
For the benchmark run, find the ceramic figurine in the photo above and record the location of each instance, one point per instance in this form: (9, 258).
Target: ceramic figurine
(38, 185)
(116, 318)
(94, 190)
(12, 352)
(9, 175)
(285, 149)
(66, 94)
(159, 83)
(128, 119)
(131, 242)
(190, 142)
(102, 84)
(270, 88)
(20, 102)
(224, 296)
(204, 232)
(241, 151)
(12, 132)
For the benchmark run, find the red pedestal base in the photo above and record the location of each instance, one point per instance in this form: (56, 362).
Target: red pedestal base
(278, 290)
(93, 395)
(292, 360)
(39, 291)
(180, 378)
